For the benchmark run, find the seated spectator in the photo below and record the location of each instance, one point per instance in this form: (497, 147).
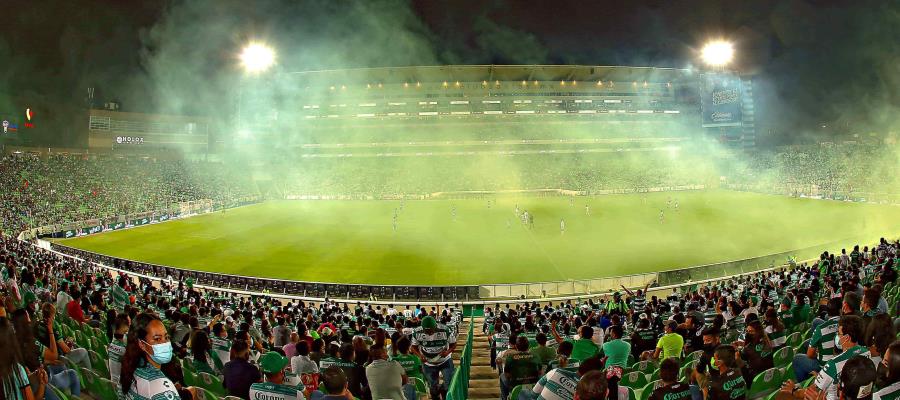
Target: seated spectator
(518, 367)
(387, 379)
(202, 354)
(728, 384)
(37, 356)
(73, 309)
(857, 380)
(821, 344)
(775, 329)
(560, 382)
(18, 383)
(148, 361)
(849, 337)
(411, 364)
(670, 389)
(301, 363)
(888, 383)
(543, 353)
(334, 386)
(116, 348)
(670, 345)
(273, 365)
(239, 374)
(615, 349)
(592, 386)
(756, 351)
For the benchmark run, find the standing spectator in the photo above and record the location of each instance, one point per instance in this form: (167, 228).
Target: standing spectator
(281, 333)
(412, 365)
(301, 363)
(435, 344)
(616, 349)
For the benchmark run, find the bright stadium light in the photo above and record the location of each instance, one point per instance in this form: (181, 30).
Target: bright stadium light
(257, 57)
(718, 53)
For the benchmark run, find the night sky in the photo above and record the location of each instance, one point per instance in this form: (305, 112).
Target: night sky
(814, 62)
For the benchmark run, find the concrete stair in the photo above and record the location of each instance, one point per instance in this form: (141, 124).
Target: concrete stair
(484, 383)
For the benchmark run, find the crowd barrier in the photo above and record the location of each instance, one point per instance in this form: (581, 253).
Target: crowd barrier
(459, 385)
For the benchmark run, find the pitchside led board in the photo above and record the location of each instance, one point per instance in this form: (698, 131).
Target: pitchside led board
(720, 100)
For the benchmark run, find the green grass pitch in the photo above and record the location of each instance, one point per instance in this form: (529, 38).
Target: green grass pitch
(354, 241)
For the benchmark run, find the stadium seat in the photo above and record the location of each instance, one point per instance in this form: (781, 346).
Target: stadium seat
(204, 394)
(631, 394)
(634, 379)
(107, 389)
(212, 383)
(783, 356)
(191, 379)
(99, 363)
(59, 393)
(692, 357)
(91, 381)
(649, 388)
(646, 367)
(765, 383)
(514, 393)
(421, 388)
(794, 339)
(687, 369)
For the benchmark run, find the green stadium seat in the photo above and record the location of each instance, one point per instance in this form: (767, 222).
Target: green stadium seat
(91, 381)
(631, 394)
(646, 367)
(649, 388)
(635, 379)
(692, 357)
(514, 393)
(794, 340)
(59, 393)
(687, 370)
(654, 375)
(783, 356)
(421, 388)
(212, 383)
(191, 379)
(765, 383)
(98, 362)
(204, 394)
(107, 389)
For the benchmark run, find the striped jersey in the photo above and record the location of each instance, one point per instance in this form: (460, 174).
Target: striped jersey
(823, 339)
(115, 350)
(432, 345)
(827, 380)
(274, 391)
(150, 384)
(890, 392)
(558, 384)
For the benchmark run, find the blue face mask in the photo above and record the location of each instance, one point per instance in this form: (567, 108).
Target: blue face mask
(162, 353)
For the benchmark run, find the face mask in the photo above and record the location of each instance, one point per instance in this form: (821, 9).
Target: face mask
(837, 343)
(118, 335)
(162, 353)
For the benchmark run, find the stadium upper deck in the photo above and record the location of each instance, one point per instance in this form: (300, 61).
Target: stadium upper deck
(339, 105)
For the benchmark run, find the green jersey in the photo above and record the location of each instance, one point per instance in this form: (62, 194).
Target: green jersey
(411, 364)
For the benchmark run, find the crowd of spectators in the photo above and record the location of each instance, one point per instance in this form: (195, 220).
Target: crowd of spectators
(149, 339)
(37, 191)
(740, 337)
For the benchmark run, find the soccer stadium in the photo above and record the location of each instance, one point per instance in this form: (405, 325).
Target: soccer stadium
(440, 217)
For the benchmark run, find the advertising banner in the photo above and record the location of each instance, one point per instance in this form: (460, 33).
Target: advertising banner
(721, 100)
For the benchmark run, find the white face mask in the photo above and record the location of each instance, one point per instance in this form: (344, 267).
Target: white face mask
(837, 342)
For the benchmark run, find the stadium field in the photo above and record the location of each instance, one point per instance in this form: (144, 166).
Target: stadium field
(355, 241)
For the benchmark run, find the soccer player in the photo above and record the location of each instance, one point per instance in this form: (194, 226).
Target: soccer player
(453, 212)
(676, 204)
(662, 217)
(531, 221)
(562, 226)
(587, 210)
(517, 210)
(525, 217)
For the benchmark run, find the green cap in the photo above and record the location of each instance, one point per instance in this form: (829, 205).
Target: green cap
(29, 297)
(429, 322)
(273, 363)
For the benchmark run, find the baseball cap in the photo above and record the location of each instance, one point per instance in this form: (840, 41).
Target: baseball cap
(429, 322)
(273, 363)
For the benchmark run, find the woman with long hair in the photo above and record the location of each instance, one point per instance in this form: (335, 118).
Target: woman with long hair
(148, 360)
(14, 378)
(775, 329)
(200, 350)
(757, 350)
(888, 382)
(35, 355)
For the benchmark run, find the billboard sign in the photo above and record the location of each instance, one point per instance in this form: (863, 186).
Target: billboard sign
(721, 100)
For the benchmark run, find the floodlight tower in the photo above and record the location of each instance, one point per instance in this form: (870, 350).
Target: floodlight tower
(256, 58)
(717, 54)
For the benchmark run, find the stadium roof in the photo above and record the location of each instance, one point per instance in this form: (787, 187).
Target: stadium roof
(503, 73)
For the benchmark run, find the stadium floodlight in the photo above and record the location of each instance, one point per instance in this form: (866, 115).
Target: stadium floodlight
(717, 53)
(257, 57)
